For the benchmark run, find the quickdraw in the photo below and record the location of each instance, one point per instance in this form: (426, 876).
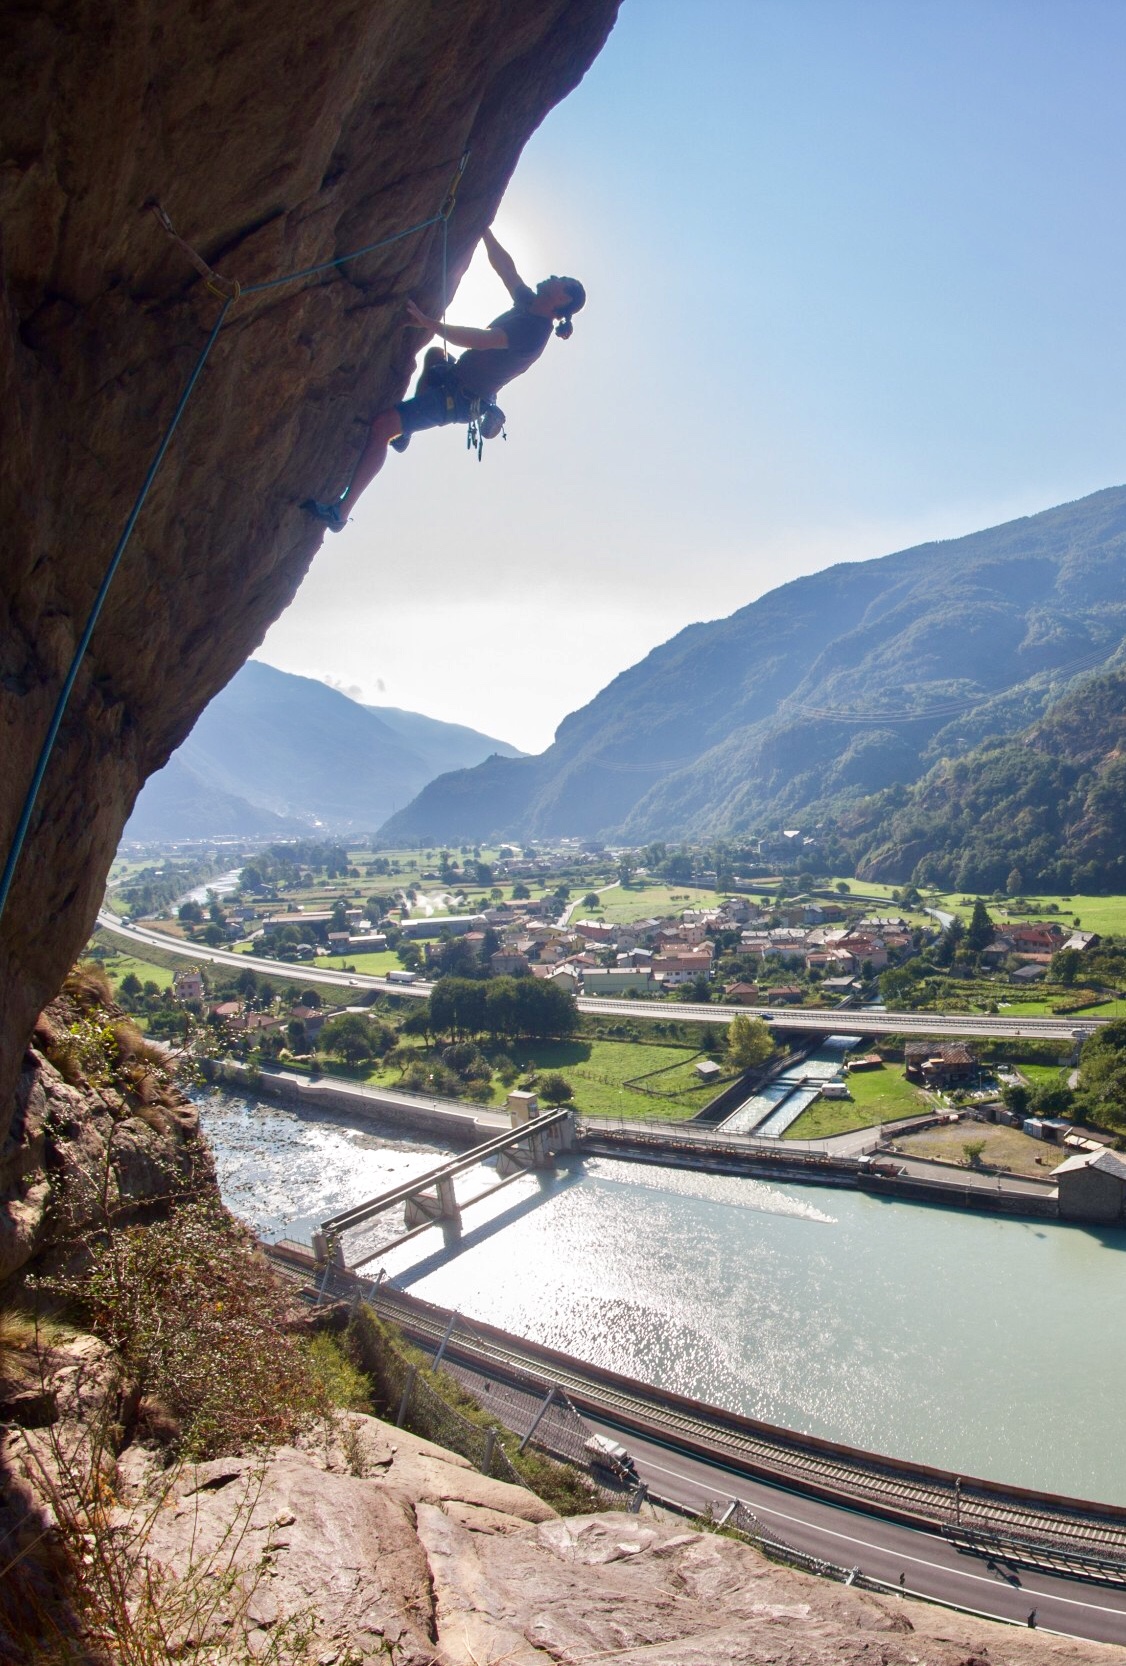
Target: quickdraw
(486, 421)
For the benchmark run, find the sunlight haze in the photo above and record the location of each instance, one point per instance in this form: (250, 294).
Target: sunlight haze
(854, 279)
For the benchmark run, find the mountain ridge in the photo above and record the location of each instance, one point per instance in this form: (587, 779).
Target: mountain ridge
(276, 754)
(829, 688)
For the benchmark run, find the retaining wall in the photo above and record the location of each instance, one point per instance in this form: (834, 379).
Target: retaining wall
(458, 1128)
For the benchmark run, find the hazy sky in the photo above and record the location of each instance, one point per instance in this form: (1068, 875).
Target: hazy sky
(855, 273)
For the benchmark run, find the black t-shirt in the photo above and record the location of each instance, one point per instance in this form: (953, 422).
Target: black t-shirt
(482, 370)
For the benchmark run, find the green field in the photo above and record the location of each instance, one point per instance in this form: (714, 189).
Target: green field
(644, 900)
(376, 965)
(598, 1072)
(882, 1095)
(1106, 915)
(1043, 1075)
(119, 966)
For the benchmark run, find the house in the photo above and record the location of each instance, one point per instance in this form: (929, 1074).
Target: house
(1092, 1186)
(867, 1061)
(188, 986)
(1035, 936)
(595, 931)
(438, 924)
(225, 1011)
(940, 1064)
(741, 994)
(506, 963)
(675, 969)
(566, 977)
(864, 948)
(785, 994)
(616, 980)
(839, 986)
(1029, 972)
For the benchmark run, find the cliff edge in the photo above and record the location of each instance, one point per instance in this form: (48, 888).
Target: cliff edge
(276, 136)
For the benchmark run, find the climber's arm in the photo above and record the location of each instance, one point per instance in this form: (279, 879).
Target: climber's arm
(503, 265)
(459, 335)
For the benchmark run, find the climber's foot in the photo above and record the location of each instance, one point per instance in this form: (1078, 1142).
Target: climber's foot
(400, 442)
(331, 514)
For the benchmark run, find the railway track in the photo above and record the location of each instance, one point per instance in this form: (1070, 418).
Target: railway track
(883, 1489)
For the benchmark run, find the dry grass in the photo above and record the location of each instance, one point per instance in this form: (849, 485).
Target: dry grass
(1007, 1150)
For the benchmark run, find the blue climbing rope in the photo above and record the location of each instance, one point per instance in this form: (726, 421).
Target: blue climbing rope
(99, 599)
(341, 260)
(232, 293)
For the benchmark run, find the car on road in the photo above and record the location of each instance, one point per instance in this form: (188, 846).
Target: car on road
(610, 1455)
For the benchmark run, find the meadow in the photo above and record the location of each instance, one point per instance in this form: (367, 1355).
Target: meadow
(646, 899)
(882, 1095)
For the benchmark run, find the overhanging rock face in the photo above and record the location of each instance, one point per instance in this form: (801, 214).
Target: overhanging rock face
(276, 135)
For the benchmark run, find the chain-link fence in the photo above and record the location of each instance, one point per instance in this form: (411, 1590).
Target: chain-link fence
(446, 1408)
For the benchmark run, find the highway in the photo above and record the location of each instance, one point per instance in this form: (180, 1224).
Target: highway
(837, 1532)
(932, 1567)
(853, 1020)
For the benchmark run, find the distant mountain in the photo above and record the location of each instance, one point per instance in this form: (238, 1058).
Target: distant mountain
(277, 754)
(178, 803)
(819, 694)
(443, 746)
(1046, 808)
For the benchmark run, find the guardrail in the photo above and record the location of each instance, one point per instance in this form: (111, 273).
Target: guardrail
(1020, 1552)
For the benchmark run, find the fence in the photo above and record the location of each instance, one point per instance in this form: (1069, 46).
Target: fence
(412, 1401)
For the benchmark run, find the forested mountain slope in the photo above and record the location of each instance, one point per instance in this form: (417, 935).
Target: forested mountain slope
(1045, 810)
(819, 694)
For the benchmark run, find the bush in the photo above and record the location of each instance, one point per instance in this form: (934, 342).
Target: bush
(200, 1321)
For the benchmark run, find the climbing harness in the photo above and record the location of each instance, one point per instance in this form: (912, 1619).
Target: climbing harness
(486, 421)
(228, 290)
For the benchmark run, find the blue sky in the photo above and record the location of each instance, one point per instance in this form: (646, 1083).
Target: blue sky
(855, 274)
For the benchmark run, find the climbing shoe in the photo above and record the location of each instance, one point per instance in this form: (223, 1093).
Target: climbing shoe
(330, 513)
(400, 442)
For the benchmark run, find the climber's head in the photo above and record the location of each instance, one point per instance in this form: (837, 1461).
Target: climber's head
(566, 296)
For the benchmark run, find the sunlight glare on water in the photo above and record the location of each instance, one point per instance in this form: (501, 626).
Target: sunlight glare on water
(987, 1345)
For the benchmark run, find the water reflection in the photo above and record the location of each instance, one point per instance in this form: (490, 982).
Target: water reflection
(974, 1342)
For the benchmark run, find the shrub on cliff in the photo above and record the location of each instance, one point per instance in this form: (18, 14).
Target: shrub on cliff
(200, 1323)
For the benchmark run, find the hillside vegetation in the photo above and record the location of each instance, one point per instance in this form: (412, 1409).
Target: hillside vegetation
(1045, 810)
(849, 683)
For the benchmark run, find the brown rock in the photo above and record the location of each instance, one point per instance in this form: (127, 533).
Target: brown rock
(276, 136)
(80, 1150)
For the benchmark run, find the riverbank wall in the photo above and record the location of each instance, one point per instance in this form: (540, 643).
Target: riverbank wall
(462, 1129)
(817, 1169)
(459, 1128)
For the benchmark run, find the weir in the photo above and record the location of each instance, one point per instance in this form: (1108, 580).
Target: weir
(431, 1197)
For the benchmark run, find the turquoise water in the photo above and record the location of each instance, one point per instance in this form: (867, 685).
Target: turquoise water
(991, 1346)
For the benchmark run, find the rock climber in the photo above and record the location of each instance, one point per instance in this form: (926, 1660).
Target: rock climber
(465, 389)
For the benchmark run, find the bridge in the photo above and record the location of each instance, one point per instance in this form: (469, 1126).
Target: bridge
(431, 1197)
(862, 1021)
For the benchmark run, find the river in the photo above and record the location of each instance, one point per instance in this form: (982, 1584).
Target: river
(990, 1346)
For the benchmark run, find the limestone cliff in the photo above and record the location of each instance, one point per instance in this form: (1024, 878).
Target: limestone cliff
(100, 1135)
(275, 135)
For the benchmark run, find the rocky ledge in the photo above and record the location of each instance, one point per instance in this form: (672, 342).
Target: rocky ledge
(363, 1542)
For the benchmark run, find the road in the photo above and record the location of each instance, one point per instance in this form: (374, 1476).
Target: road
(853, 1021)
(846, 1535)
(932, 1567)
